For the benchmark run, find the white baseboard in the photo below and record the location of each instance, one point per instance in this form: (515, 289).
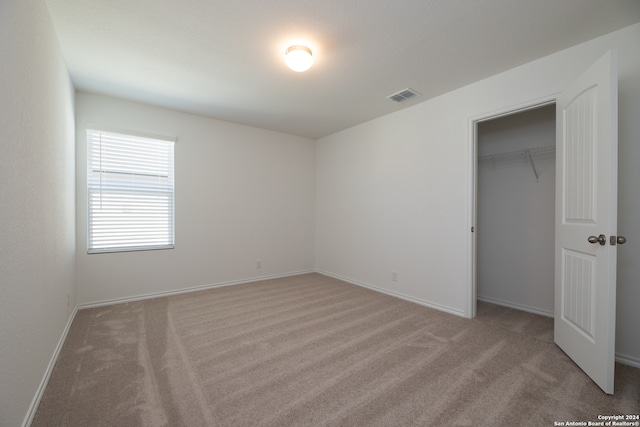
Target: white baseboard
(395, 294)
(188, 290)
(513, 305)
(628, 360)
(47, 373)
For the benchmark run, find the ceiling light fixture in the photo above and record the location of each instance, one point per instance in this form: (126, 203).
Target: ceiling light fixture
(299, 58)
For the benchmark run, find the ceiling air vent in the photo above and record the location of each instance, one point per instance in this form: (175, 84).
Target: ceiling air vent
(403, 95)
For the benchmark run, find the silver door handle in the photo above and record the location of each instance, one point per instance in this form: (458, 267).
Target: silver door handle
(602, 239)
(617, 240)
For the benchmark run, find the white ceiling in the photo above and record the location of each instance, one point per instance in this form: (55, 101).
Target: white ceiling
(225, 59)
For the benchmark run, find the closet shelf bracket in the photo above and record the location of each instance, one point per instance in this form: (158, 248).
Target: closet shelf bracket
(533, 165)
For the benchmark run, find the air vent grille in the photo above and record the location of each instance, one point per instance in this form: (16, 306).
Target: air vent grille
(403, 95)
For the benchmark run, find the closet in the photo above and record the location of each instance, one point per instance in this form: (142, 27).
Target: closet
(516, 210)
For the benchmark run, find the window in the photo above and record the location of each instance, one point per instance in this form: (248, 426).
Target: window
(130, 192)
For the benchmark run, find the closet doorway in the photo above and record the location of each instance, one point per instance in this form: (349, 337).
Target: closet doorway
(585, 224)
(515, 209)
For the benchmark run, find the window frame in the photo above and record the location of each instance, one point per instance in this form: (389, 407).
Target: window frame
(134, 190)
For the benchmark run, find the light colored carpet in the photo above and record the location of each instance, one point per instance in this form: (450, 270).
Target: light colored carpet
(310, 350)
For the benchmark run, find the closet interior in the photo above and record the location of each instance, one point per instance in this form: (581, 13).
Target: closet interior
(516, 210)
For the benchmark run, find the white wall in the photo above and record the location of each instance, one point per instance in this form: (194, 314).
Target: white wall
(242, 194)
(395, 193)
(515, 227)
(37, 206)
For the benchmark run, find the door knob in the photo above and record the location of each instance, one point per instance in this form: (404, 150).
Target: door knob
(602, 239)
(618, 240)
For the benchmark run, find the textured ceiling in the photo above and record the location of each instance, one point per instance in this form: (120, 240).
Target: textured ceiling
(225, 59)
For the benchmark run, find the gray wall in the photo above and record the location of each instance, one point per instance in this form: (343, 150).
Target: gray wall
(37, 206)
(516, 213)
(242, 194)
(396, 193)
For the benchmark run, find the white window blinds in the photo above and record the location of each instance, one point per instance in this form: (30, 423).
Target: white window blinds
(130, 191)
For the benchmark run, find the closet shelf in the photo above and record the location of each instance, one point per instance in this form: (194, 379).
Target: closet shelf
(520, 154)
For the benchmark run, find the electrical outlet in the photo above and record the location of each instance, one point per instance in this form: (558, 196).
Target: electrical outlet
(259, 264)
(394, 276)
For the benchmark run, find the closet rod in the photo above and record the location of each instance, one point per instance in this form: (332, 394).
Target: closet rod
(518, 154)
(529, 152)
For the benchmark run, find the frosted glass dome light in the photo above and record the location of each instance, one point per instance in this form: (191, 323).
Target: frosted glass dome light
(299, 58)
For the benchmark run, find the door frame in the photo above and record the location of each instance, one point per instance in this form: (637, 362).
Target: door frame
(471, 306)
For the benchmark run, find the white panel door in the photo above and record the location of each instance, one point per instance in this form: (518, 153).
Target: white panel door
(586, 208)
